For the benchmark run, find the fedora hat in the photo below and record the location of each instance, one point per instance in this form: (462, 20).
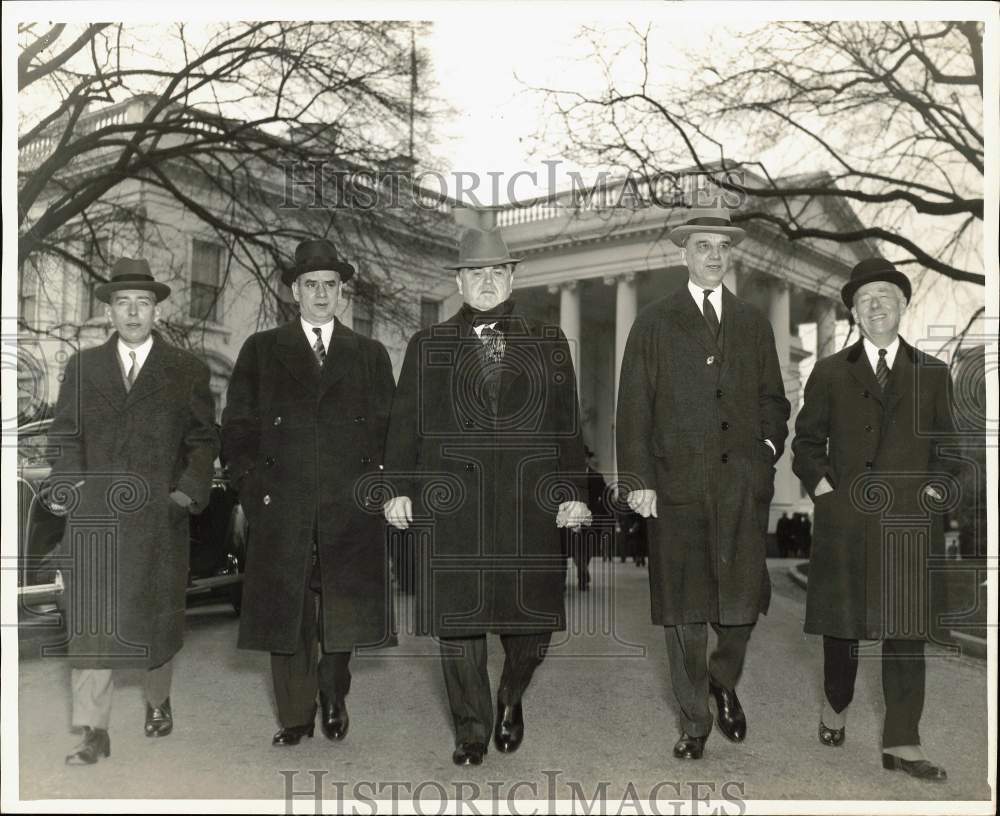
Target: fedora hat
(316, 255)
(131, 273)
(870, 270)
(480, 248)
(706, 220)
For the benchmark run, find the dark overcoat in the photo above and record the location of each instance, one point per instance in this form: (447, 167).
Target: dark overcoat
(868, 571)
(127, 544)
(693, 414)
(486, 485)
(305, 445)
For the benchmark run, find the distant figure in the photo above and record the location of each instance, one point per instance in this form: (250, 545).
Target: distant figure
(783, 533)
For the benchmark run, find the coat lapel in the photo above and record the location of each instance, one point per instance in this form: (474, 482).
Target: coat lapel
(153, 375)
(340, 357)
(861, 371)
(732, 328)
(294, 353)
(901, 376)
(106, 375)
(515, 361)
(691, 320)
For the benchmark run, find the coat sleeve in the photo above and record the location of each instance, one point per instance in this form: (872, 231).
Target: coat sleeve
(383, 386)
(810, 459)
(66, 431)
(402, 443)
(241, 417)
(201, 440)
(943, 428)
(774, 406)
(634, 421)
(572, 456)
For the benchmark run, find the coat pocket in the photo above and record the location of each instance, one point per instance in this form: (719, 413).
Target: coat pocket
(680, 467)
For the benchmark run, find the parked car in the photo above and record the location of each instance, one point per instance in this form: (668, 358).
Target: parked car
(218, 536)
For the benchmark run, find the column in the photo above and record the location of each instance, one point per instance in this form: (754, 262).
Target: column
(626, 307)
(569, 318)
(779, 313)
(826, 328)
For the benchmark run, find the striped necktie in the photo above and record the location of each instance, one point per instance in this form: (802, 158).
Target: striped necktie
(133, 372)
(318, 349)
(882, 370)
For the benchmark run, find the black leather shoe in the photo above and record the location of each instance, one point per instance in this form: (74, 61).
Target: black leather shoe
(293, 735)
(920, 769)
(509, 729)
(469, 753)
(159, 719)
(689, 747)
(730, 718)
(96, 742)
(335, 721)
(834, 737)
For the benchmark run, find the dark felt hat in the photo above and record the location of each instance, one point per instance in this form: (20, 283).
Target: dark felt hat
(131, 273)
(706, 220)
(316, 255)
(479, 248)
(870, 270)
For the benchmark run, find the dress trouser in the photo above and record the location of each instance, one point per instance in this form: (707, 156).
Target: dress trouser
(468, 682)
(297, 677)
(94, 688)
(903, 675)
(687, 644)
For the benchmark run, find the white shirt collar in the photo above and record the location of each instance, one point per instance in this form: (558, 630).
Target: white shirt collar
(478, 328)
(698, 293)
(141, 353)
(871, 351)
(326, 332)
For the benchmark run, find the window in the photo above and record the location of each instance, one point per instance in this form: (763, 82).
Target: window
(27, 295)
(430, 312)
(363, 320)
(206, 276)
(99, 258)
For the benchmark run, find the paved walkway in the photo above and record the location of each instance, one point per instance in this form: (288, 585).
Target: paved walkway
(599, 715)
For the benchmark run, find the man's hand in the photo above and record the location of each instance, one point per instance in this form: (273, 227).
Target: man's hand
(399, 512)
(643, 502)
(181, 499)
(824, 486)
(55, 508)
(573, 514)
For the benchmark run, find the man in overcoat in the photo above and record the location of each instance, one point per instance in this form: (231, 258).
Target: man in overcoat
(702, 419)
(868, 448)
(485, 458)
(303, 433)
(134, 424)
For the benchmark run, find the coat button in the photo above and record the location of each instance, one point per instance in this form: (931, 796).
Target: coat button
(868, 428)
(366, 460)
(269, 461)
(725, 458)
(470, 467)
(267, 498)
(360, 420)
(865, 394)
(869, 464)
(277, 421)
(718, 394)
(469, 423)
(725, 426)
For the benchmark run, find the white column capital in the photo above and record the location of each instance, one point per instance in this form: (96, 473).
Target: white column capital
(555, 288)
(619, 277)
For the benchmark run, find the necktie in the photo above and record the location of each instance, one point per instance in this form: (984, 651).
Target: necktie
(882, 370)
(133, 372)
(318, 348)
(710, 316)
(494, 342)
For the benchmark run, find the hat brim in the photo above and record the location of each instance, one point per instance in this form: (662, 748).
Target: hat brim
(680, 233)
(344, 269)
(104, 291)
(479, 263)
(887, 275)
